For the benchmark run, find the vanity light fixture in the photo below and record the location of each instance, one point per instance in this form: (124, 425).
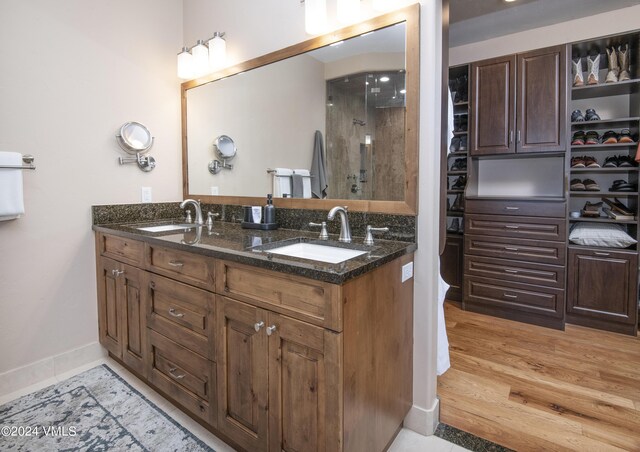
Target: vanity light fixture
(315, 16)
(185, 64)
(202, 58)
(348, 11)
(217, 50)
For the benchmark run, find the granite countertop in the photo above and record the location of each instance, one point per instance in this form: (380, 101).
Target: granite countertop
(250, 246)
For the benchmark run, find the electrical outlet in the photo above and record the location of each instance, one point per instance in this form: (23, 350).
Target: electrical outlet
(407, 271)
(145, 194)
(214, 191)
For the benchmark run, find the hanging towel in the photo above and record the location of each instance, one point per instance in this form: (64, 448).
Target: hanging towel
(282, 182)
(11, 199)
(306, 182)
(450, 125)
(443, 362)
(319, 176)
(296, 185)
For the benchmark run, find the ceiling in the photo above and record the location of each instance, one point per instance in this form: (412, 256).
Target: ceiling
(479, 20)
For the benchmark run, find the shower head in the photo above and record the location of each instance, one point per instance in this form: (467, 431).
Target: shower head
(359, 122)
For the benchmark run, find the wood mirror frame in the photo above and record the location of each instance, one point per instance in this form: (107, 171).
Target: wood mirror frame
(410, 15)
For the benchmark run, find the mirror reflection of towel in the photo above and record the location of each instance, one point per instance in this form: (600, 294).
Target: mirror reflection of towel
(297, 190)
(318, 172)
(282, 182)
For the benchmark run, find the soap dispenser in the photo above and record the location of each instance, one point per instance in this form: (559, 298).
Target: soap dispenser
(269, 211)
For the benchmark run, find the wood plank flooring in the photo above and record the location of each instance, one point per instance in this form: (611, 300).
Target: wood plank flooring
(530, 388)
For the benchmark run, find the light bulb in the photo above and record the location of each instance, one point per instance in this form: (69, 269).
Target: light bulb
(383, 5)
(217, 51)
(348, 11)
(185, 64)
(200, 58)
(315, 16)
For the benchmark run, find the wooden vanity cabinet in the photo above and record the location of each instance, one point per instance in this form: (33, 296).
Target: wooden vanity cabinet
(518, 103)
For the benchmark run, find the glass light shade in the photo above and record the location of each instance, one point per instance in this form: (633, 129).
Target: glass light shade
(217, 51)
(200, 59)
(385, 5)
(185, 64)
(315, 16)
(348, 11)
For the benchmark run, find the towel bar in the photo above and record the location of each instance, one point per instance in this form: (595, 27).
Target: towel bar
(27, 159)
(271, 171)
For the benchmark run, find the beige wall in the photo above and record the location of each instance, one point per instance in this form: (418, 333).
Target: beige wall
(72, 72)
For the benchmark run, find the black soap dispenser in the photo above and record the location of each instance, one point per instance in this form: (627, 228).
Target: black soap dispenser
(269, 211)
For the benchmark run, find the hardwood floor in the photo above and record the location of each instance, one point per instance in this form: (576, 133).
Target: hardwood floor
(531, 388)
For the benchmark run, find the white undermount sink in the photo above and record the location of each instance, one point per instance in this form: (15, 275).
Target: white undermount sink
(323, 253)
(166, 227)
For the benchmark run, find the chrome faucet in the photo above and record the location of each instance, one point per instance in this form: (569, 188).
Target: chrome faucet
(196, 206)
(345, 231)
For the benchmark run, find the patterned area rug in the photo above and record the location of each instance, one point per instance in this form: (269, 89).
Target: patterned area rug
(96, 410)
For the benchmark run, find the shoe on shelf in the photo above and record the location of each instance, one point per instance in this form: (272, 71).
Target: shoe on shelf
(623, 59)
(454, 226)
(609, 137)
(625, 161)
(578, 78)
(591, 115)
(463, 144)
(458, 204)
(576, 116)
(623, 185)
(577, 185)
(460, 183)
(591, 185)
(578, 162)
(455, 144)
(611, 162)
(459, 165)
(578, 138)
(593, 68)
(591, 162)
(461, 228)
(614, 69)
(591, 209)
(625, 136)
(592, 137)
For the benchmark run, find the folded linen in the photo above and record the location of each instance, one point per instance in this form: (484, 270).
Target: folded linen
(282, 182)
(306, 182)
(11, 192)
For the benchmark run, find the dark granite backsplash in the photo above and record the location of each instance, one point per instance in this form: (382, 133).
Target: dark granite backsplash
(401, 227)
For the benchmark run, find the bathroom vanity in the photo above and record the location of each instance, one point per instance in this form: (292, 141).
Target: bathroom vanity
(268, 351)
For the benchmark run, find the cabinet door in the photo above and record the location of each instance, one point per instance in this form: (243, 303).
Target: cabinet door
(109, 318)
(603, 289)
(242, 373)
(133, 318)
(492, 120)
(304, 386)
(541, 101)
(451, 264)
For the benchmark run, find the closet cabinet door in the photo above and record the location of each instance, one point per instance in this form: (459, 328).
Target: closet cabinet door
(492, 122)
(541, 100)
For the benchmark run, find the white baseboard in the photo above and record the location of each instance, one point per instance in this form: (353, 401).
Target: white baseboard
(423, 421)
(16, 379)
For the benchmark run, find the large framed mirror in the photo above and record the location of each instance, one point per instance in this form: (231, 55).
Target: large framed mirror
(357, 87)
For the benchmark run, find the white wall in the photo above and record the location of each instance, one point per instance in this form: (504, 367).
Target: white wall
(72, 72)
(613, 22)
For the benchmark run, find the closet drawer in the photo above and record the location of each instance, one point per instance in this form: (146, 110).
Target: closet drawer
(187, 378)
(521, 249)
(121, 249)
(518, 208)
(316, 302)
(517, 271)
(182, 313)
(522, 227)
(192, 268)
(514, 296)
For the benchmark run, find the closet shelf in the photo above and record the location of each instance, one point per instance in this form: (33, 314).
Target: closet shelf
(461, 104)
(627, 169)
(454, 192)
(457, 154)
(599, 147)
(455, 173)
(615, 123)
(601, 220)
(604, 89)
(454, 213)
(582, 247)
(457, 134)
(597, 194)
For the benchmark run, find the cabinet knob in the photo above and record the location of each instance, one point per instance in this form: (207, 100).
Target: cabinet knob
(172, 371)
(271, 329)
(258, 326)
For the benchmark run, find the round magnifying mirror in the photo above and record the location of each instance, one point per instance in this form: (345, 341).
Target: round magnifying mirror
(134, 138)
(225, 147)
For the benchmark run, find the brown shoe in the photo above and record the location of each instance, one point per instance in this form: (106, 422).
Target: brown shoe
(591, 162)
(578, 162)
(591, 185)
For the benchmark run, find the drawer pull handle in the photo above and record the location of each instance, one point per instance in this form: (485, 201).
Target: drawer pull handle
(176, 264)
(512, 226)
(258, 326)
(511, 248)
(601, 254)
(270, 330)
(515, 272)
(117, 273)
(177, 377)
(511, 208)
(174, 313)
(508, 295)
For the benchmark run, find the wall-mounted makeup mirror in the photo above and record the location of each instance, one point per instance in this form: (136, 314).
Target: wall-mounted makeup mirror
(358, 86)
(135, 139)
(225, 148)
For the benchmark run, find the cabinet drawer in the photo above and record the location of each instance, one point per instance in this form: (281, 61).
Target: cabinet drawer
(192, 268)
(121, 249)
(521, 249)
(514, 296)
(186, 377)
(316, 302)
(517, 208)
(521, 227)
(517, 271)
(182, 313)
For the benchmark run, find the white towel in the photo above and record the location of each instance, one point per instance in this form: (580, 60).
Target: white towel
(306, 182)
(11, 196)
(282, 182)
(443, 362)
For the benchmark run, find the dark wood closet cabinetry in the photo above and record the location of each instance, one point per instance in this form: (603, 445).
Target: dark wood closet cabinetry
(518, 103)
